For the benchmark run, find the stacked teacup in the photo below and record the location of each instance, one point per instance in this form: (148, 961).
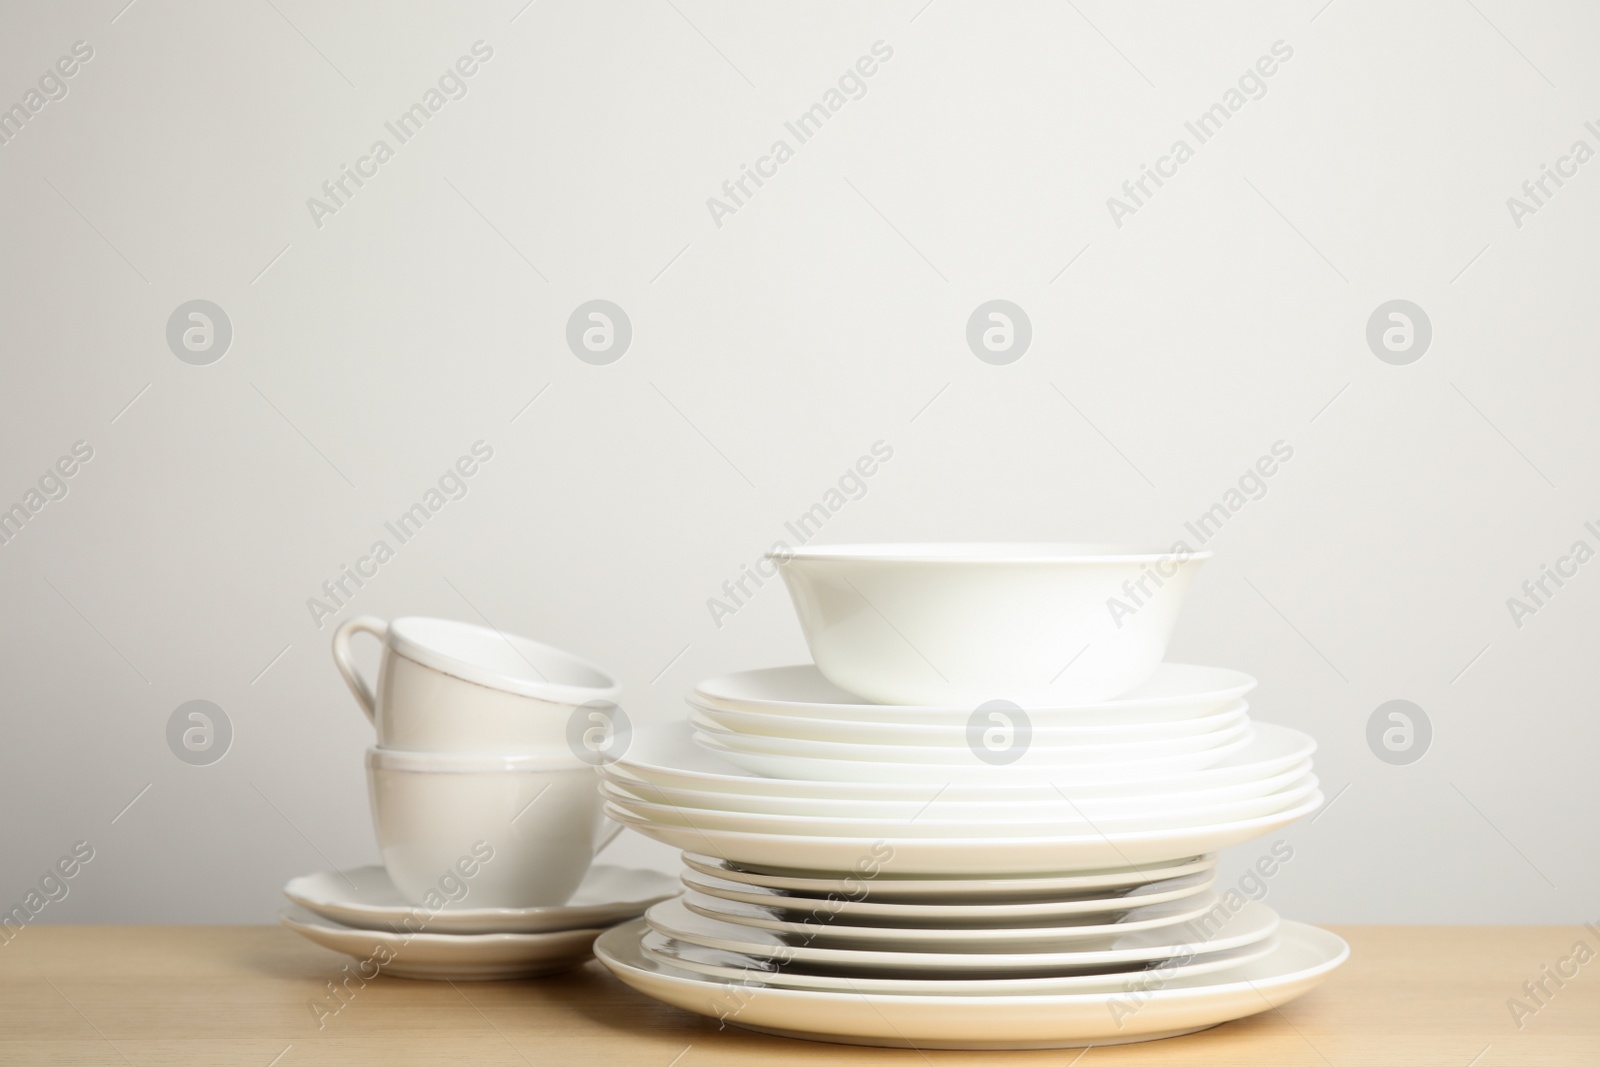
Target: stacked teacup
(987, 816)
(487, 818)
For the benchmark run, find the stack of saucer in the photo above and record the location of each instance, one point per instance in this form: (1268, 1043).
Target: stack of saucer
(487, 817)
(986, 818)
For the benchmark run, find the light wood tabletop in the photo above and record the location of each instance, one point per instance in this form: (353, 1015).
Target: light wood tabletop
(242, 995)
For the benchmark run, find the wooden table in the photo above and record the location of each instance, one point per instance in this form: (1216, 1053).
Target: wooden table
(240, 995)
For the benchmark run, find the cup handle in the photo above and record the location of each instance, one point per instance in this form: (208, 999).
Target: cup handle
(341, 659)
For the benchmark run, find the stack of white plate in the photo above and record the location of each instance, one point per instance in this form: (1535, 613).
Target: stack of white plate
(945, 873)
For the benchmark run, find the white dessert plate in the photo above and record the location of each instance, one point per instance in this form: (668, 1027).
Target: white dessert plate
(993, 856)
(1251, 923)
(1175, 691)
(666, 755)
(1303, 957)
(1034, 765)
(1049, 821)
(870, 881)
(365, 898)
(822, 930)
(936, 806)
(868, 909)
(849, 731)
(461, 957)
(1129, 979)
(959, 752)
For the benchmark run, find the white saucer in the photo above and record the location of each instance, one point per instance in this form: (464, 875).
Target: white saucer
(462, 957)
(366, 899)
(1303, 957)
(1175, 691)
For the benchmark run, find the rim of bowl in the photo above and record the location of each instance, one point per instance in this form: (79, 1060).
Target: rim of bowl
(986, 552)
(429, 641)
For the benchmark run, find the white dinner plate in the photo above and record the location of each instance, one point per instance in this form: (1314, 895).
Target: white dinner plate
(365, 898)
(1302, 958)
(1001, 812)
(971, 856)
(870, 881)
(824, 930)
(1039, 750)
(869, 909)
(851, 731)
(1175, 691)
(1129, 979)
(1049, 821)
(1218, 930)
(666, 755)
(1033, 765)
(462, 957)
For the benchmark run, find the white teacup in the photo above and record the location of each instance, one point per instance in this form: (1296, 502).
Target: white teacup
(517, 832)
(446, 686)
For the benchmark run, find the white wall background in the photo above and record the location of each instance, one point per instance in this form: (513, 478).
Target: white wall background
(368, 353)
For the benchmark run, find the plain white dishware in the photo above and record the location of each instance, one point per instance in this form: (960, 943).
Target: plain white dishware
(870, 881)
(1302, 958)
(1050, 822)
(1031, 766)
(1054, 735)
(1039, 751)
(666, 755)
(1174, 692)
(716, 963)
(519, 831)
(457, 957)
(943, 913)
(447, 686)
(365, 898)
(823, 930)
(937, 806)
(969, 623)
(976, 856)
(1250, 924)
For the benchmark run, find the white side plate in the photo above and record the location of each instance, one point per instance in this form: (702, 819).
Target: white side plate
(460, 957)
(365, 898)
(1302, 958)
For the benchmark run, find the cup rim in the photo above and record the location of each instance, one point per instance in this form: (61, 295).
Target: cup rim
(404, 639)
(379, 758)
(988, 552)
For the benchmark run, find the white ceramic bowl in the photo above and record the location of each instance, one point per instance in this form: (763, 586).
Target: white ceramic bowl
(448, 686)
(968, 623)
(516, 832)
